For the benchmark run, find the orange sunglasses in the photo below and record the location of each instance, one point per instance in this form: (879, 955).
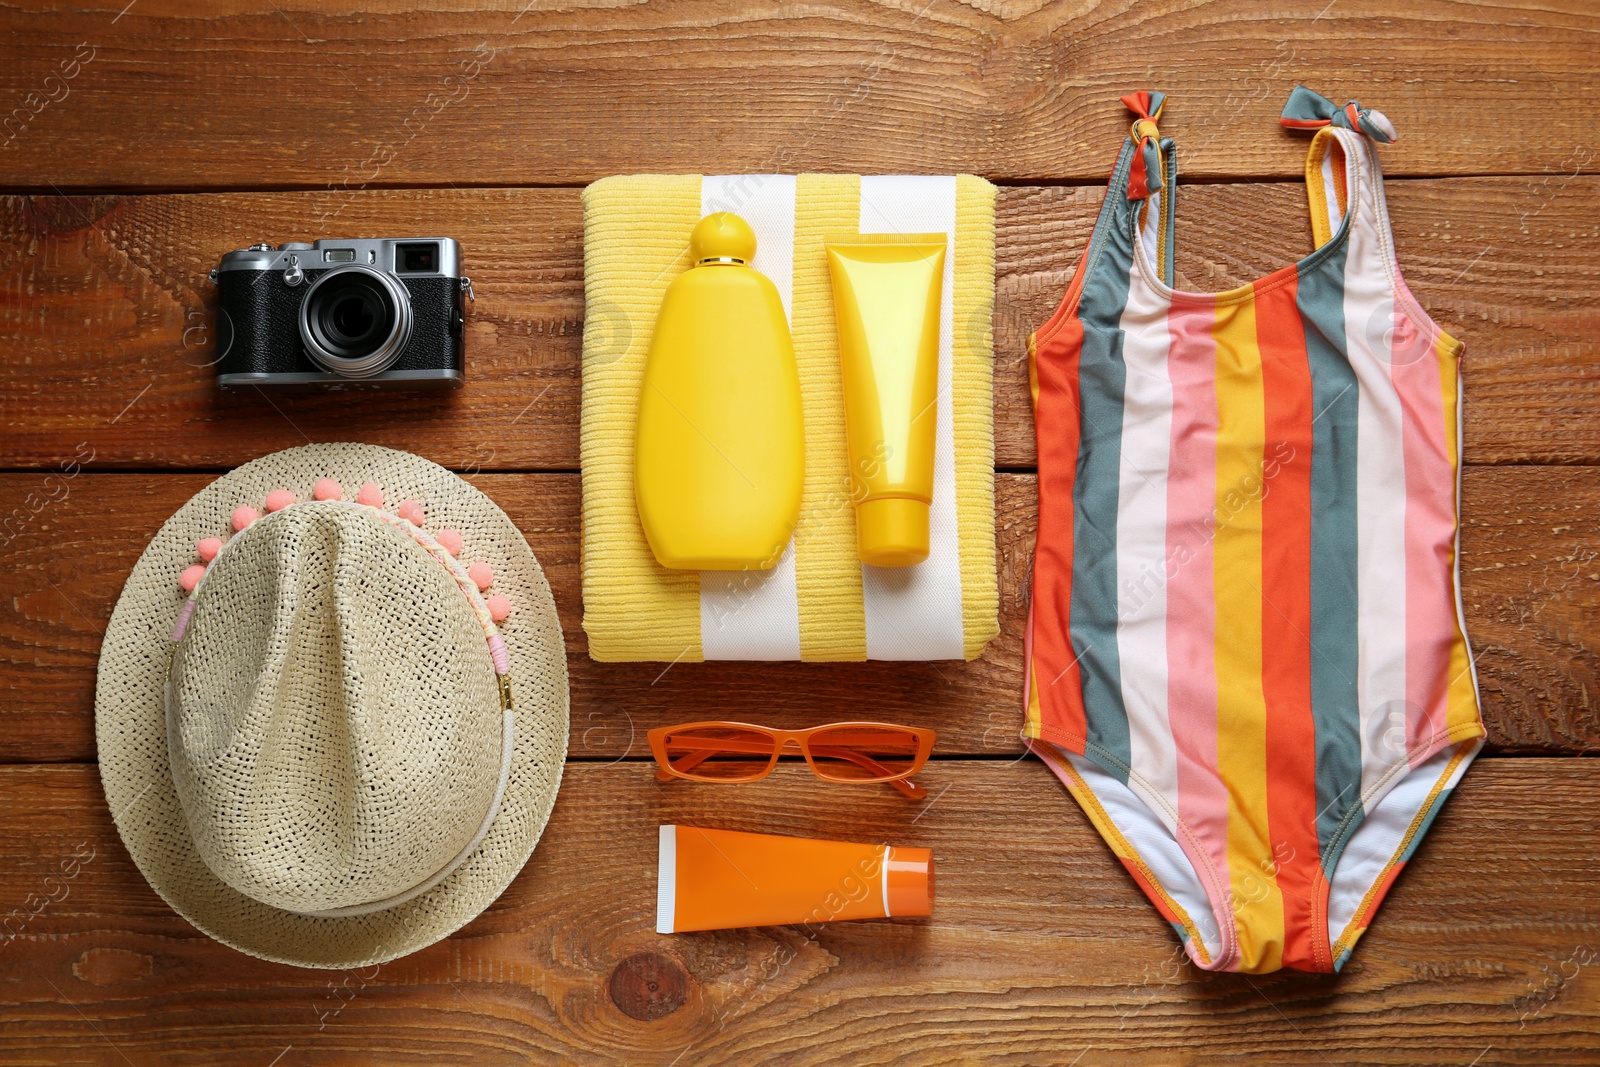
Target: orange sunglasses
(838, 752)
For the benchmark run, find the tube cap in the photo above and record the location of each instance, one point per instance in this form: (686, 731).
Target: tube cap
(892, 531)
(908, 881)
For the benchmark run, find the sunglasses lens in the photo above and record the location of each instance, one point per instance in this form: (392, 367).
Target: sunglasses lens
(718, 753)
(863, 753)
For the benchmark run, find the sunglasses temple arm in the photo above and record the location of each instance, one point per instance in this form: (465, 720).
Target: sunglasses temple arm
(909, 788)
(904, 785)
(694, 759)
(687, 763)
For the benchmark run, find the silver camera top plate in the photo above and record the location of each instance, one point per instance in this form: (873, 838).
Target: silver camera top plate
(379, 253)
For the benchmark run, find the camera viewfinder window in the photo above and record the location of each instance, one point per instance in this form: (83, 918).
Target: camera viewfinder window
(417, 258)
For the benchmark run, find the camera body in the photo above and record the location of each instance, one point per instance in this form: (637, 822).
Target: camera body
(385, 311)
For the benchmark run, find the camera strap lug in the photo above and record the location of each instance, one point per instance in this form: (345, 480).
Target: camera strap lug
(293, 275)
(466, 287)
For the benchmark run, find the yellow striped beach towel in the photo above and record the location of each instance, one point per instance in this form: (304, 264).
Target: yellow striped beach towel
(820, 602)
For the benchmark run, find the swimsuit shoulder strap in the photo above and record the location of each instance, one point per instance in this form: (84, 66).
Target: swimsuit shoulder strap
(1345, 186)
(1341, 164)
(1143, 183)
(1145, 176)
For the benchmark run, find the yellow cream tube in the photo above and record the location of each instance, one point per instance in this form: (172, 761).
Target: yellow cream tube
(886, 297)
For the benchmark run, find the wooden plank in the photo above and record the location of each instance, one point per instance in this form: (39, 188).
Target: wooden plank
(1040, 946)
(1529, 568)
(251, 95)
(107, 315)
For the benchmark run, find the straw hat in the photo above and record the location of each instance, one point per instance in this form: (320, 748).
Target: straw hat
(332, 706)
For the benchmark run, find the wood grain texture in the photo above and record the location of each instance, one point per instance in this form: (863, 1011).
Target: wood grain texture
(1039, 948)
(107, 317)
(245, 94)
(1530, 572)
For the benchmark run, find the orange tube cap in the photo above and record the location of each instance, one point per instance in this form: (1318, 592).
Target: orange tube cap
(909, 881)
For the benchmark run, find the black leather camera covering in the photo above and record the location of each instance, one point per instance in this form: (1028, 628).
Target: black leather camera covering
(265, 316)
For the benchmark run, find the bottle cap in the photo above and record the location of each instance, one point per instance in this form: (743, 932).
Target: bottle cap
(722, 237)
(908, 881)
(892, 531)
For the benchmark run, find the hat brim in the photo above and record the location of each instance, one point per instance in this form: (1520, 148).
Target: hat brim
(131, 730)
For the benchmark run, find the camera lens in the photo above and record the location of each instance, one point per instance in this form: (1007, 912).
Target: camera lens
(355, 321)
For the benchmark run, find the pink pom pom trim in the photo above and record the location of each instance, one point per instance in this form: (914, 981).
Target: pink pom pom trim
(499, 608)
(481, 574)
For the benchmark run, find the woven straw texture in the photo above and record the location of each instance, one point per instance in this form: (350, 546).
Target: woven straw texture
(335, 721)
(635, 242)
(314, 612)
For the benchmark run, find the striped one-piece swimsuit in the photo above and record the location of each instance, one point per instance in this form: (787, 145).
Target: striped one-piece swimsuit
(1246, 658)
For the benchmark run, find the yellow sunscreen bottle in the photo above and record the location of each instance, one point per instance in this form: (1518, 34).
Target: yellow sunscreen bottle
(719, 457)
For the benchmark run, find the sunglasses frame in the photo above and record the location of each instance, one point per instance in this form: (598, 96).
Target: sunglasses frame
(801, 739)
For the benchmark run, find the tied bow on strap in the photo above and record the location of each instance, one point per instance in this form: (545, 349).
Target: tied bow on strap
(1308, 110)
(1144, 175)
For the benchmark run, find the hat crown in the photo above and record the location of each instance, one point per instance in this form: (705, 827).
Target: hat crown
(334, 725)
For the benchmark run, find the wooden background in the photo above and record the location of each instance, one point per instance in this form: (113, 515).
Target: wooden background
(139, 142)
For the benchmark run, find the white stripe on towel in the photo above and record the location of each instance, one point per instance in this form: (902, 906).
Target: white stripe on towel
(914, 613)
(755, 615)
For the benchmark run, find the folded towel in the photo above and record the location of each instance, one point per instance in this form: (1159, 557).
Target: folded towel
(820, 602)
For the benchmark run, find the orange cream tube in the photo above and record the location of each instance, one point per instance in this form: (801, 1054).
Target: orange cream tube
(723, 879)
